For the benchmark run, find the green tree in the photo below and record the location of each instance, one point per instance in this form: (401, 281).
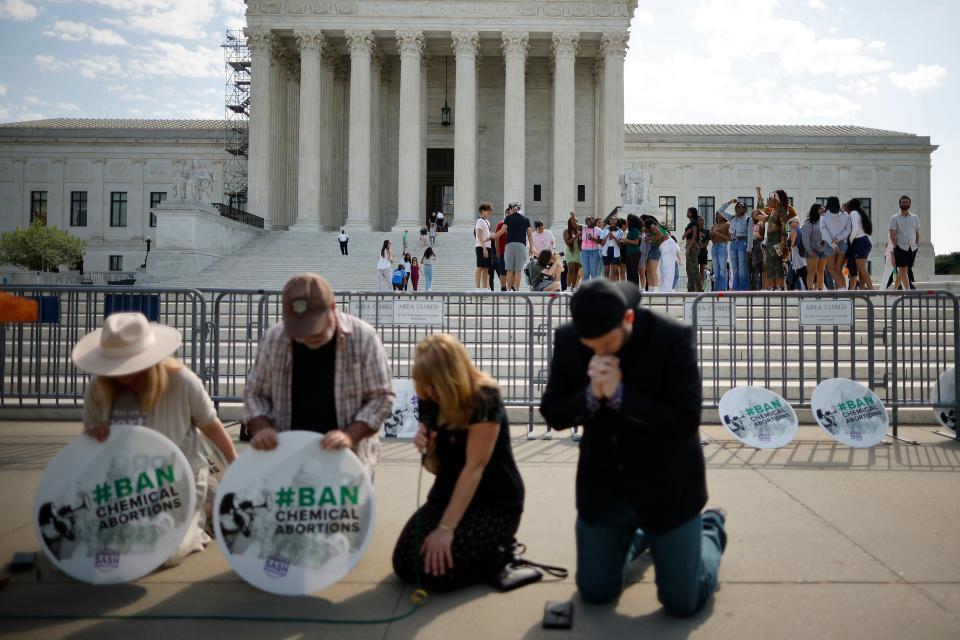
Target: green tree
(40, 248)
(947, 264)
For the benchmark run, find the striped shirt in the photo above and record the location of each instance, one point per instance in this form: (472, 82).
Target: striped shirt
(364, 389)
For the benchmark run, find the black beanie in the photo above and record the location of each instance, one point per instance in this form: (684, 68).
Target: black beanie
(597, 308)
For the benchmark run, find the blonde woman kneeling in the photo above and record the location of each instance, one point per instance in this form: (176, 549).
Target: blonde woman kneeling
(465, 532)
(136, 381)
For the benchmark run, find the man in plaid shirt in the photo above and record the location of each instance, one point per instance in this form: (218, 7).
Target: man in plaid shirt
(319, 370)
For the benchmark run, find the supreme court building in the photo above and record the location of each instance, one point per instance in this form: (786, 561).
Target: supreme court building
(535, 92)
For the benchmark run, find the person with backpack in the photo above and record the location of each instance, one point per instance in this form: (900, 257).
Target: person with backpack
(797, 278)
(814, 248)
(860, 244)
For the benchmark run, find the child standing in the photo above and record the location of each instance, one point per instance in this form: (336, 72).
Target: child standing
(414, 273)
(423, 237)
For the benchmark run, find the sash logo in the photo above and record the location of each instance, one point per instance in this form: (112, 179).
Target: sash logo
(107, 560)
(276, 566)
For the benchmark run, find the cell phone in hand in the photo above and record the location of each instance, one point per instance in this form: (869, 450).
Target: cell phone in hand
(558, 614)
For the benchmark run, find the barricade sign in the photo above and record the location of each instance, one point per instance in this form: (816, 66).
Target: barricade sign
(758, 417)
(711, 313)
(851, 413)
(376, 311)
(294, 520)
(114, 511)
(826, 313)
(412, 312)
(944, 397)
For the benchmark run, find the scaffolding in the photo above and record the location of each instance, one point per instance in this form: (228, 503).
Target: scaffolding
(237, 118)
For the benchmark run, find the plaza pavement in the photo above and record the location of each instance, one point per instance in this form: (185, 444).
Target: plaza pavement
(824, 542)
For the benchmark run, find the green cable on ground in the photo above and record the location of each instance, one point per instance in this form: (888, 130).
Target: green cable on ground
(419, 598)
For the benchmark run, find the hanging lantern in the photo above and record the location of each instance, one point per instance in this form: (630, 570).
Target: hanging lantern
(445, 110)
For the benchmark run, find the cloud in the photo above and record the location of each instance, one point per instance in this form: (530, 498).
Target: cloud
(18, 10)
(816, 4)
(88, 67)
(76, 31)
(183, 19)
(752, 29)
(923, 78)
(157, 59)
(3, 90)
(175, 60)
(641, 17)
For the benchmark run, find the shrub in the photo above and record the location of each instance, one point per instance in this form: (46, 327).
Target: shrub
(40, 248)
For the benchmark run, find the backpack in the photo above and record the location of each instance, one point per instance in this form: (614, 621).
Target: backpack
(528, 273)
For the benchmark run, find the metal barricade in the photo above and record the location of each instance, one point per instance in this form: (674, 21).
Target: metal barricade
(897, 343)
(788, 342)
(35, 363)
(924, 332)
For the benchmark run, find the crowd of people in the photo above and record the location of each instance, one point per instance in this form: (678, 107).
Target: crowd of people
(641, 481)
(770, 248)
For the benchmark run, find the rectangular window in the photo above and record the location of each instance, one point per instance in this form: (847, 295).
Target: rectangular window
(581, 193)
(748, 201)
(156, 197)
(78, 208)
(536, 193)
(116, 263)
(707, 207)
(668, 205)
(118, 208)
(822, 202)
(38, 207)
(866, 207)
(790, 200)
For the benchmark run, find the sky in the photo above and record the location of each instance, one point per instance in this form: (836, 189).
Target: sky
(876, 63)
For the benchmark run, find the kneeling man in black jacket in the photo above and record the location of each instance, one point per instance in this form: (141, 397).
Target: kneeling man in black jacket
(630, 377)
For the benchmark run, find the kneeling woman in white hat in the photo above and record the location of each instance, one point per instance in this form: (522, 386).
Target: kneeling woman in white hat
(137, 381)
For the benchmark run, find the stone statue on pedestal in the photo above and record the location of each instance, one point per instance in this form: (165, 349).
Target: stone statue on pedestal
(635, 185)
(192, 184)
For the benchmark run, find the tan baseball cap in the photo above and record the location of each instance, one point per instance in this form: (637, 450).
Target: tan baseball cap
(306, 300)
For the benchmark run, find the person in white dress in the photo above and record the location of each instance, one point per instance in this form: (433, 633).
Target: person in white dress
(669, 250)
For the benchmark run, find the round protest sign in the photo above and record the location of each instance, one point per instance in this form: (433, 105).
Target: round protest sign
(851, 413)
(758, 417)
(294, 520)
(114, 511)
(944, 397)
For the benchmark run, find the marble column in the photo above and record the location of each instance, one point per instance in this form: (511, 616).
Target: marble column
(515, 46)
(598, 191)
(359, 43)
(376, 138)
(341, 126)
(326, 147)
(311, 43)
(410, 44)
(564, 51)
(425, 92)
(466, 45)
(613, 46)
(278, 111)
(260, 42)
(291, 140)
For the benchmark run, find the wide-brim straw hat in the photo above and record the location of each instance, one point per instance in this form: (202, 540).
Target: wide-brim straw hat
(126, 344)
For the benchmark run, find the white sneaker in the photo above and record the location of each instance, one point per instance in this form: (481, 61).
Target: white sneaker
(531, 435)
(548, 435)
(575, 436)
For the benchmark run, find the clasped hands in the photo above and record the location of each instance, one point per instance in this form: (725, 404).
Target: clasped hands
(605, 376)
